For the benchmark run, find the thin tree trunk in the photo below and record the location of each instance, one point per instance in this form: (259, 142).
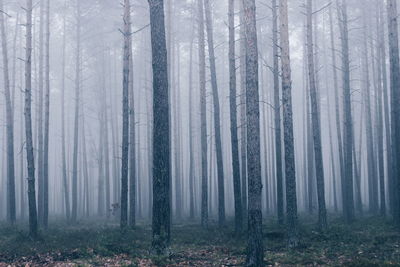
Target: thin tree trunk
(277, 114)
(11, 209)
(372, 178)
(63, 156)
(290, 168)
(125, 115)
(347, 182)
(132, 142)
(316, 122)
(203, 116)
(217, 119)
(46, 121)
(233, 115)
(76, 123)
(33, 224)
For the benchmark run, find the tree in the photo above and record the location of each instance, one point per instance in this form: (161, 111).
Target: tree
(76, 119)
(217, 119)
(395, 97)
(277, 114)
(203, 118)
(132, 144)
(63, 156)
(316, 127)
(33, 224)
(11, 210)
(233, 115)
(255, 251)
(125, 115)
(347, 180)
(161, 141)
(290, 168)
(46, 121)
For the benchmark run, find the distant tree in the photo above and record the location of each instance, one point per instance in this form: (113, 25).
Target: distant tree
(217, 117)
(255, 251)
(203, 118)
(125, 115)
(33, 224)
(316, 122)
(347, 180)
(77, 112)
(11, 210)
(45, 219)
(161, 141)
(290, 168)
(62, 104)
(233, 115)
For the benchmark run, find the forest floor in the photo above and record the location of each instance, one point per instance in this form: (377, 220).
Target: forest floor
(367, 242)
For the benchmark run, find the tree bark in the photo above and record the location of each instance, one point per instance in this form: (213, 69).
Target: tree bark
(76, 122)
(203, 115)
(125, 115)
(33, 224)
(233, 115)
(255, 250)
(161, 141)
(11, 208)
(316, 127)
(290, 168)
(347, 181)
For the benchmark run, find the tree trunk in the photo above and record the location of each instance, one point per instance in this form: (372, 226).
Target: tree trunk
(243, 121)
(46, 121)
(161, 141)
(63, 153)
(290, 168)
(255, 251)
(277, 114)
(233, 115)
(125, 115)
(372, 179)
(395, 98)
(33, 224)
(40, 119)
(132, 142)
(315, 117)
(203, 115)
(11, 209)
(217, 119)
(76, 123)
(347, 181)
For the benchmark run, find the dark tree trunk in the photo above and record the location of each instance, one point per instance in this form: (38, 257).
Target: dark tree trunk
(132, 140)
(290, 168)
(125, 115)
(63, 152)
(11, 210)
(315, 117)
(33, 224)
(255, 250)
(46, 121)
(161, 141)
(277, 114)
(347, 180)
(395, 98)
(233, 115)
(76, 123)
(203, 115)
(217, 119)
